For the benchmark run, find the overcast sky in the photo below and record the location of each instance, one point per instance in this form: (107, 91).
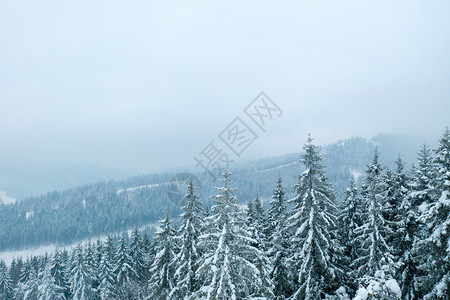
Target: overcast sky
(146, 85)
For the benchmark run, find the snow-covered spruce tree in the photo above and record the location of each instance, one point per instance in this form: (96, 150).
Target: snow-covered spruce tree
(371, 235)
(42, 261)
(256, 226)
(349, 219)
(58, 271)
(424, 174)
(397, 191)
(435, 247)
(406, 230)
(15, 271)
(396, 185)
(105, 289)
(259, 225)
(125, 275)
(5, 282)
(137, 253)
(312, 221)
(25, 271)
(250, 213)
(231, 267)
(98, 254)
(259, 209)
(123, 270)
(278, 243)
(255, 221)
(81, 277)
(162, 270)
(148, 249)
(259, 215)
(24, 275)
(91, 263)
(29, 289)
(187, 258)
(277, 213)
(412, 231)
(48, 288)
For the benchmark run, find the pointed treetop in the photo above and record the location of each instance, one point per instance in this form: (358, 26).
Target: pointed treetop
(258, 206)
(424, 157)
(443, 150)
(310, 139)
(376, 156)
(352, 183)
(374, 168)
(311, 158)
(226, 176)
(166, 216)
(400, 165)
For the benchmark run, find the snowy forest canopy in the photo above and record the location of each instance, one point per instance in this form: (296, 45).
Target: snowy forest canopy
(85, 212)
(388, 239)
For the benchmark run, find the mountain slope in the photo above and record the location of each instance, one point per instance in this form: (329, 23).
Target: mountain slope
(95, 209)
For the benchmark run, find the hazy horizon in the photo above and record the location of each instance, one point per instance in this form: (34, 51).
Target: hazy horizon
(145, 87)
(22, 178)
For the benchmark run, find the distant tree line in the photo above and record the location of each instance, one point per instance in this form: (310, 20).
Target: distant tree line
(66, 217)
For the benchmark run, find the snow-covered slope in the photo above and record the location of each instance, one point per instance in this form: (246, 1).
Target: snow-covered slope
(96, 209)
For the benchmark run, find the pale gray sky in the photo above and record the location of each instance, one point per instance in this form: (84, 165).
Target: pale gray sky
(146, 85)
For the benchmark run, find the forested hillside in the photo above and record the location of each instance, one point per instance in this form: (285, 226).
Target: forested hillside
(64, 217)
(387, 239)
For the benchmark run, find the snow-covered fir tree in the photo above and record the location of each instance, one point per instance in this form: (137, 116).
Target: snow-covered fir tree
(349, 219)
(29, 289)
(189, 254)
(98, 253)
(148, 246)
(124, 270)
(250, 213)
(407, 233)
(232, 267)
(15, 271)
(5, 282)
(278, 243)
(137, 254)
(257, 228)
(434, 248)
(48, 288)
(412, 231)
(125, 275)
(81, 277)
(257, 222)
(414, 203)
(162, 271)
(371, 235)
(397, 188)
(312, 221)
(424, 172)
(25, 272)
(91, 263)
(106, 287)
(58, 271)
(277, 213)
(397, 191)
(259, 215)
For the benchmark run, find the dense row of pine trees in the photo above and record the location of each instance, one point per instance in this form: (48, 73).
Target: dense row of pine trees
(388, 239)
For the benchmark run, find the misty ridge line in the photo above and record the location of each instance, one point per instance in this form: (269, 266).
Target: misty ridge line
(99, 208)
